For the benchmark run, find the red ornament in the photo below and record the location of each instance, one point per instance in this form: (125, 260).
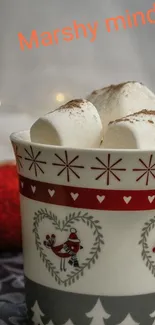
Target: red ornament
(153, 249)
(10, 220)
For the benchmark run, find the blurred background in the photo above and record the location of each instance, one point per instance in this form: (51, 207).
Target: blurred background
(35, 81)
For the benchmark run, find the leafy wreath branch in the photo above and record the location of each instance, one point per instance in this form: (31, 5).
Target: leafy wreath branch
(39, 216)
(150, 263)
(95, 250)
(64, 226)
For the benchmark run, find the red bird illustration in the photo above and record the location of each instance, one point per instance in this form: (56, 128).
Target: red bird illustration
(69, 249)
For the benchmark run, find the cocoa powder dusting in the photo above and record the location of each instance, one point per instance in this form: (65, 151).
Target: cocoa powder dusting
(144, 111)
(127, 118)
(95, 92)
(72, 104)
(115, 88)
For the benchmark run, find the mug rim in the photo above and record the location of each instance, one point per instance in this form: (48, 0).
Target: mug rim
(15, 137)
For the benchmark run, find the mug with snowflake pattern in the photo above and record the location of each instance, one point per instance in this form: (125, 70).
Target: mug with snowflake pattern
(88, 220)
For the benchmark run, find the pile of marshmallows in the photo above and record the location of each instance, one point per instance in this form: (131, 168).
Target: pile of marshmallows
(118, 116)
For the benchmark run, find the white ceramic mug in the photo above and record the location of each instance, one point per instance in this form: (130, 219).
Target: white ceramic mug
(88, 224)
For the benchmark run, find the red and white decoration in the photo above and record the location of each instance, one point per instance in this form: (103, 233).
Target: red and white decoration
(108, 169)
(88, 198)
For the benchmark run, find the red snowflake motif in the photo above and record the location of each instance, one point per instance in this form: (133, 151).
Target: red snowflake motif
(18, 157)
(67, 165)
(108, 169)
(147, 170)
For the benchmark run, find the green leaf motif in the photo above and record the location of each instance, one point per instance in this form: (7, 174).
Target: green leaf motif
(145, 253)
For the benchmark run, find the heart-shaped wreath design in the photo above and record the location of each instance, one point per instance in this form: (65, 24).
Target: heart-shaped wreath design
(146, 253)
(62, 226)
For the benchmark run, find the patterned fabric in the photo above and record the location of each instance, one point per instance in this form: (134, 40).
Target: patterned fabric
(12, 298)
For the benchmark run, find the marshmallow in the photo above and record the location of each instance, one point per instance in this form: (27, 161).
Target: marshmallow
(117, 101)
(76, 124)
(135, 131)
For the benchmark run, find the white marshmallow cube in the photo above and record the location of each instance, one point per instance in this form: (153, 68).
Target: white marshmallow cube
(117, 101)
(76, 124)
(136, 131)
